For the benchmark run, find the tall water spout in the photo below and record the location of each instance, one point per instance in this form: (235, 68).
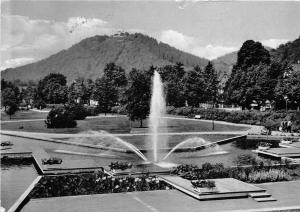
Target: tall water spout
(157, 111)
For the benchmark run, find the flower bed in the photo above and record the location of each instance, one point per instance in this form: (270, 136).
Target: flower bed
(204, 184)
(259, 173)
(94, 183)
(120, 165)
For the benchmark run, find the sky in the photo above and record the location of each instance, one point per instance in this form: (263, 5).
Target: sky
(34, 30)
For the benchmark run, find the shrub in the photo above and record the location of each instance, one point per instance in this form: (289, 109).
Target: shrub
(12, 109)
(119, 109)
(79, 112)
(272, 175)
(204, 184)
(60, 118)
(246, 159)
(39, 104)
(270, 119)
(170, 109)
(92, 111)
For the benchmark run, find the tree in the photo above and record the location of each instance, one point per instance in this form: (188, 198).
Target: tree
(8, 97)
(9, 100)
(138, 96)
(78, 110)
(212, 83)
(288, 86)
(10, 94)
(12, 109)
(78, 91)
(172, 76)
(55, 93)
(244, 84)
(52, 89)
(27, 95)
(115, 74)
(105, 93)
(252, 53)
(195, 86)
(60, 118)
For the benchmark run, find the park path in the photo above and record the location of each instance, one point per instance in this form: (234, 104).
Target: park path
(21, 120)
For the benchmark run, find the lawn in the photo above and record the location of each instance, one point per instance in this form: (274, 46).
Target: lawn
(21, 115)
(188, 125)
(112, 124)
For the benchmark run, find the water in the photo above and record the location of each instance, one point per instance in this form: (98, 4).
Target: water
(157, 111)
(125, 144)
(193, 143)
(14, 181)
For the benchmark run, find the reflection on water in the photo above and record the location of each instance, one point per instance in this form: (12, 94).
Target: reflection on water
(15, 179)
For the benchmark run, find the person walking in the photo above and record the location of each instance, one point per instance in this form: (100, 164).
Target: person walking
(289, 126)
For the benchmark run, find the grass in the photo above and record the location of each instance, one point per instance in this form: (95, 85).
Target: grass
(21, 115)
(187, 125)
(110, 124)
(117, 124)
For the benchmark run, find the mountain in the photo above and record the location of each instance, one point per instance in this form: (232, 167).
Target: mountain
(88, 58)
(289, 52)
(223, 66)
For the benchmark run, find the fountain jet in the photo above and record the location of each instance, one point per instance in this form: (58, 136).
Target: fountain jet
(195, 143)
(157, 112)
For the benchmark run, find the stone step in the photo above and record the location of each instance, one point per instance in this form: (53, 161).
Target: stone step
(264, 199)
(259, 194)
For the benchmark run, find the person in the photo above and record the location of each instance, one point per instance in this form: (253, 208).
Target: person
(289, 126)
(284, 126)
(281, 126)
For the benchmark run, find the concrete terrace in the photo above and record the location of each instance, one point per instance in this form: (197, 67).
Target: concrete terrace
(286, 193)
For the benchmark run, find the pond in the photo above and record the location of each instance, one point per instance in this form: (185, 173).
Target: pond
(15, 179)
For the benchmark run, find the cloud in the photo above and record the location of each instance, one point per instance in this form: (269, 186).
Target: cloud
(22, 37)
(213, 51)
(194, 45)
(273, 43)
(176, 39)
(16, 62)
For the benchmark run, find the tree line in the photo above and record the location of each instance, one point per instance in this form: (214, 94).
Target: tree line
(257, 77)
(115, 87)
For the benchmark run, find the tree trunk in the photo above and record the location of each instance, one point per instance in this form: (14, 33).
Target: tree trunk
(141, 123)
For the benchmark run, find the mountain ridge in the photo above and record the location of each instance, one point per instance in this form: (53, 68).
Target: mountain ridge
(89, 57)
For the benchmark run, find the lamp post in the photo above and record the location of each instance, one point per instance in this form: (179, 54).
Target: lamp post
(286, 101)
